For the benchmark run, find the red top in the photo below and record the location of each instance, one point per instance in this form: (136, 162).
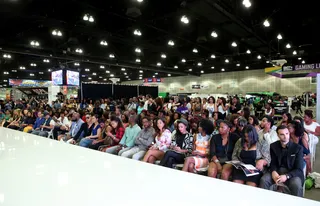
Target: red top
(119, 135)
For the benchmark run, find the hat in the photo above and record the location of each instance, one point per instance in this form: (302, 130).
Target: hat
(183, 121)
(45, 113)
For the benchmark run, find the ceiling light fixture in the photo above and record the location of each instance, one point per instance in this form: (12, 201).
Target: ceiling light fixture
(238, 65)
(156, 73)
(94, 74)
(80, 51)
(49, 70)
(169, 75)
(137, 32)
(34, 43)
(108, 72)
(214, 34)
(33, 64)
(140, 1)
(111, 75)
(7, 56)
(22, 68)
(299, 58)
(247, 67)
(266, 23)
(111, 56)
(140, 71)
(137, 50)
(125, 73)
(234, 44)
(163, 56)
(76, 64)
(5, 72)
(31, 74)
(259, 57)
(288, 46)
(294, 52)
(56, 32)
(46, 61)
(248, 51)
(195, 50)
(190, 70)
(104, 43)
(138, 60)
(184, 19)
(199, 64)
(171, 43)
(279, 37)
(213, 56)
(202, 71)
(176, 67)
(123, 69)
(222, 69)
(88, 17)
(303, 62)
(246, 3)
(183, 60)
(212, 67)
(40, 72)
(102, 67)
(87, 70)
(159, 64)
(226, 61)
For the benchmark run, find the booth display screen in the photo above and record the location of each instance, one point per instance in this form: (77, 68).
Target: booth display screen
(57, 78)
(73, 78)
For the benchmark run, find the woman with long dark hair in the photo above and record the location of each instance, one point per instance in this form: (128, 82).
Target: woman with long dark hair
(249, 150)
(113, 133)
(222, 107)
(162, 142)
(180, 147)
(286, 119)
(254, 121)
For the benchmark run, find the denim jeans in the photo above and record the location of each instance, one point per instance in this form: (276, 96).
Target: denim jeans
(85, 142)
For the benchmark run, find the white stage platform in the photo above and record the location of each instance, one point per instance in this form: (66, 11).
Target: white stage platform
(35, 171)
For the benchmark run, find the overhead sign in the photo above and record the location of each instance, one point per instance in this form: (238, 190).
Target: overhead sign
(149, 80)
(307, 66)
(196, 86)
(29, 83)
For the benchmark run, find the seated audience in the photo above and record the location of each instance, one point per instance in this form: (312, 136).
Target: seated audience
(199, 158)
(254, 121)
(269, 111)
(128, 139)
(221, 148)
(309, 125)
(28, 122)
(181, 146)
(95, 133)
(62, 125)
(77, 130)
(143, 141)
(46, 127)
(286, 119)
(266, 133)
(300, 137)
(250, 150)
(162, 142)
(286, 165)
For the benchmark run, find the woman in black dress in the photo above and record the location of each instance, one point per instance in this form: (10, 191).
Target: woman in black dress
(250, 150)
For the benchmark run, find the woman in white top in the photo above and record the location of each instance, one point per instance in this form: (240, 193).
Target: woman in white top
(204, 103)
(222, 106)
(162, 142)
(269, 111)
(211, 106)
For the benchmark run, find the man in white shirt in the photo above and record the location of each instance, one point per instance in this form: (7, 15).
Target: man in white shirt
(267, 133)
(131, 105)
(62, 124)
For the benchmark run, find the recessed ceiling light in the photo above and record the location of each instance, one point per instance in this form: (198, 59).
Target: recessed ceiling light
(46, 61)
(40, 72)
(140, 77)
(5, 72)
(176, 67)
(222, 69)
(190, 70)
(238, 65)
(213, 56)
(184, 19)
(266, 23)
(76, 64)
(288, 46)
(127, 76)
(34, 43)
(138, 60)
(299, 58)
(234, 44)
(156, 73)
(31, 74)
(111, 56)
(199, 64)
(5, 80)
(163, 56)
(267, 62)
(279, 37)
(139, 1)
(33, 64)
(87, 70)
(104, 79)
(137, 32)
(153, 76)
(111, 75)
(88, 17)
(214, 34)
(169, 75)
(195, 50)
(247, 67)
(125, 73)
(89, 78)
(7, 56)
(94, 74)
(80, 51)
(123, 69)
(226, 61)
(137, 50)
(49, 70)
(100, 77)
(212, 67)
(202, 71)
(56, 32)
(171, 43)
(102, 67)
(108, 72)
(183, 61)
(248, 51)
(303, 62)
(294, 52)
(158, 64)
(140, 71)
(103, 43)
(22, 68)
(259, 57)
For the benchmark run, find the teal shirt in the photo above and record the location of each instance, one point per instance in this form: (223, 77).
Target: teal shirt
(130, 135)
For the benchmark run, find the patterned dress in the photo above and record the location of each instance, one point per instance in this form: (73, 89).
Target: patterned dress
(202, 144)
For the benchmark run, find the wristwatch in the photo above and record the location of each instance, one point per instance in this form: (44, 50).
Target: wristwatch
(288, 177)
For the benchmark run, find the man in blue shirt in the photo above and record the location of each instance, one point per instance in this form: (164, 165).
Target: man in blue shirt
(39, 121)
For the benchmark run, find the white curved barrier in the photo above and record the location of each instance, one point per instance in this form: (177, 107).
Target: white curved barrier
(37, 171)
